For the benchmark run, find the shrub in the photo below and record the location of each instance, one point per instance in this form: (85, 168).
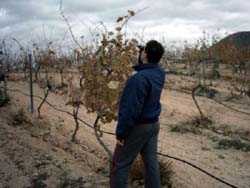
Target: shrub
(20, 118)
(233, 143)
(192, 126)
(38, 181)
(72, 183)
(166, 172)
(187, 128)
(3, 100)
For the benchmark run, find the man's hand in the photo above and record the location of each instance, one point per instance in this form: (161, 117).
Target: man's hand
(120, 142)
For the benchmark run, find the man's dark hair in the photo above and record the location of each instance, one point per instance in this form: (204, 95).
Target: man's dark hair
(154, 51)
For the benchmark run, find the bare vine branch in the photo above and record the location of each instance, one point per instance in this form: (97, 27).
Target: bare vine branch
(69, 27)
(128, 18)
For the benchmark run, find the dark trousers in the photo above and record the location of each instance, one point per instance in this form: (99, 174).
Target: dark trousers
(142, 139)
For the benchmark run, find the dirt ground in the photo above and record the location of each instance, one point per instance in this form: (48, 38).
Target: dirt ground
(39, 153)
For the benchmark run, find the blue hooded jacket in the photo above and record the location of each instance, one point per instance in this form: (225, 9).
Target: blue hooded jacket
(140, 101)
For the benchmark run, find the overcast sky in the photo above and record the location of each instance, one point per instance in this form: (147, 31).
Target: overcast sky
(172, 20)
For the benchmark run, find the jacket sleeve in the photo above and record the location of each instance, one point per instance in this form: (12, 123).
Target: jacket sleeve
(131, 104)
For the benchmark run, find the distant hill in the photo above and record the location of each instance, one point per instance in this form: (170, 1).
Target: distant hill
(240, 40)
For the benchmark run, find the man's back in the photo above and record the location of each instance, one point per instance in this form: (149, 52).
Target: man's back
(140, 101)
(154, 75)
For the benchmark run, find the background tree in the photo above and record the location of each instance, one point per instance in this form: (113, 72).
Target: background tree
(238, 58)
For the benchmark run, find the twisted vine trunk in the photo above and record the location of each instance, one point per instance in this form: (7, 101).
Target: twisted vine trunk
(5, 88)
(81, 80)
(98, 136)
(61, 75)
(46, 93)
(195, 101)
(75, 114)
(37, 72)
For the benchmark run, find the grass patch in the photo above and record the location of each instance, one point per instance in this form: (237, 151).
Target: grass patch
(72, 183)
(41, 164)
(233, 143)
(194, 125)
(226, 130)
(37, 182)
(20, 117)
(205, 91)
(221, 157)
(67, 182)
(3, 100)
(166, 172)
(180, 129)
(184, 128)
(204, 122)
(213, 138)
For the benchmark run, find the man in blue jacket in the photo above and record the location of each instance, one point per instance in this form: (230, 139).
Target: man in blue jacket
(138, 122)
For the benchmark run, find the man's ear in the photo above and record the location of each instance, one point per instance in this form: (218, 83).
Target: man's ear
(144, 57)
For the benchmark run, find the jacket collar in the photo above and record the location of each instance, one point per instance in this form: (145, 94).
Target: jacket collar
(145, 66)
